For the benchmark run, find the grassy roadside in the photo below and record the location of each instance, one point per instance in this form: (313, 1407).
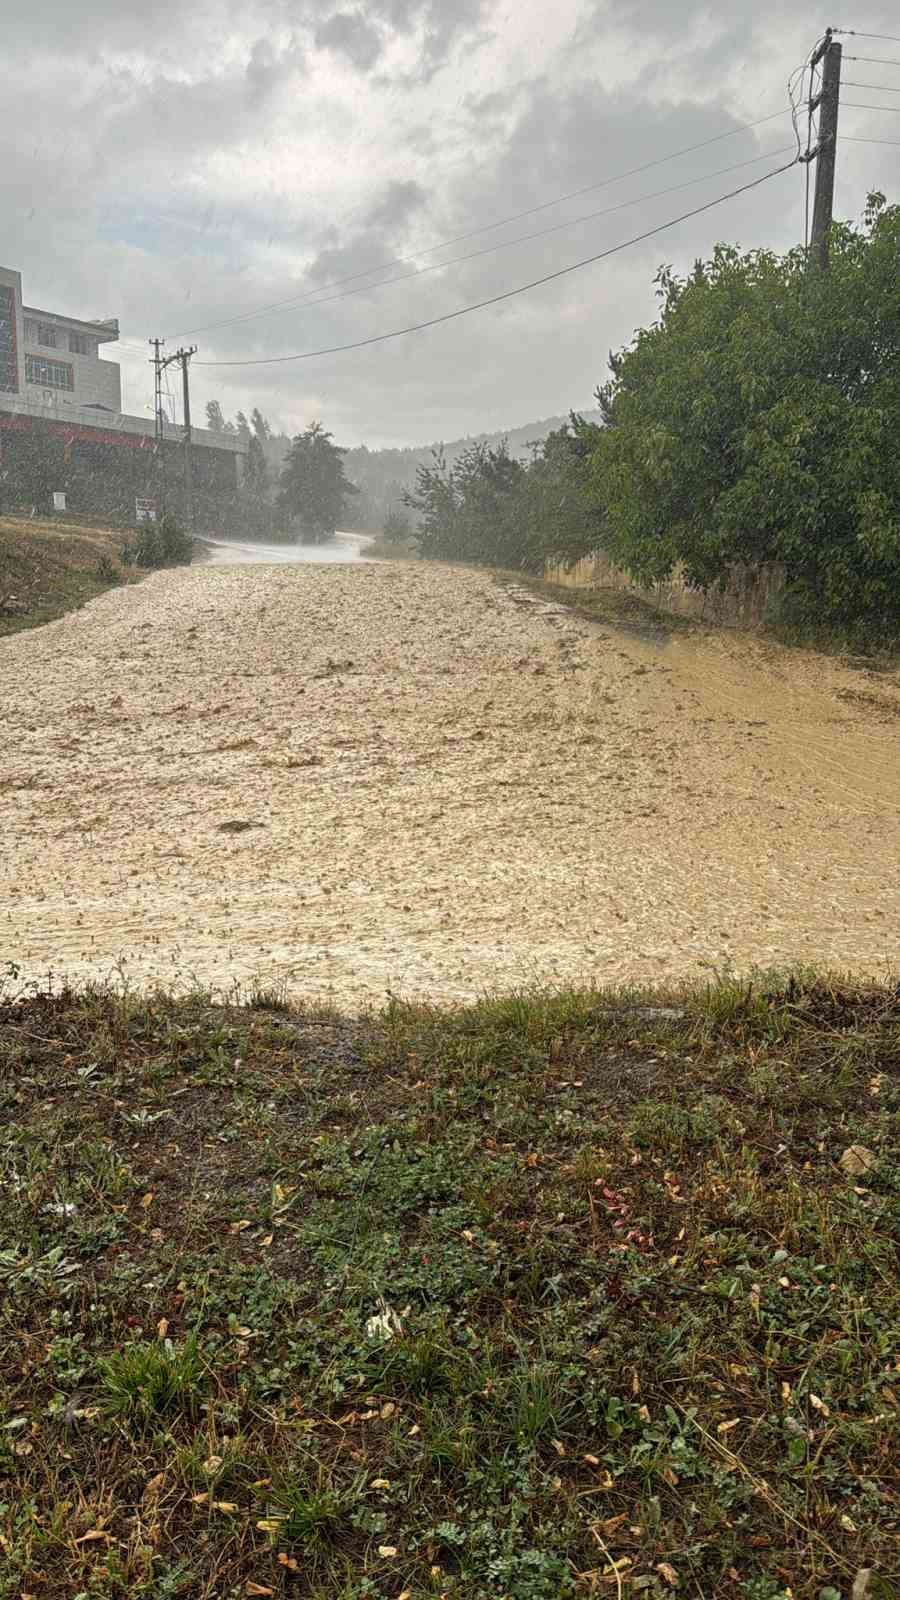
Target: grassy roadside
(632, 613)
(47, 569)
(550, 1296)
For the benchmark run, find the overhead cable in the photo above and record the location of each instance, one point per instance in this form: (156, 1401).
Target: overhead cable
(458, 238)
(538, 233)
(509, 294)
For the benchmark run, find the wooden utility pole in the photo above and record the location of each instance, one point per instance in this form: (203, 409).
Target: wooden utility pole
(159, 462)
(159, 365)
(826, 101)
(184, 357)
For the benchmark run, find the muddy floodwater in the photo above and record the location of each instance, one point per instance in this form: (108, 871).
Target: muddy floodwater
(343, 548)
(359, 778)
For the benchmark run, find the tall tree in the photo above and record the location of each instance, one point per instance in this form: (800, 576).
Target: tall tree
(243, 426)
(756, 421)
(214, 417)
(261, 428)
(314, 489)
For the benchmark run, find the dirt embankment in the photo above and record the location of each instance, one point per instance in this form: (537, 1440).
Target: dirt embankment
(374, 778)
(48, 568)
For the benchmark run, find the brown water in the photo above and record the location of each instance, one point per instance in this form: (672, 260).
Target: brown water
(362, 778)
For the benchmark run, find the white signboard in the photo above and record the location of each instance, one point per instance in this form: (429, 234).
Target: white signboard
(145, 510)
(59, 500)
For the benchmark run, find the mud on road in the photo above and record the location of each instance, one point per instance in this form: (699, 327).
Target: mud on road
(404, 778)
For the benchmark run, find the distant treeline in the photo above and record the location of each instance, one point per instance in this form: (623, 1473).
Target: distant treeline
(381, 477)
(754, 423)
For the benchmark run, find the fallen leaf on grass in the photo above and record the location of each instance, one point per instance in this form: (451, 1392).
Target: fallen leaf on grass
(611, 1524)
(388, 1551)
(856, 1159)
(667, 1571)
(819, 1405)
(290, 1562)
(726, 1427)
(258, 1588)
(94, 1534)
(162, 1327)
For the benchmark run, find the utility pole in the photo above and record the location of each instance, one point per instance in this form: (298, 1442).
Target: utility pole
(160, 363)
(827, 101)
(184, 357)
(158, 423)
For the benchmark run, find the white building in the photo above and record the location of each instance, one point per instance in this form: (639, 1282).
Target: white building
(56, 394)
(51, 373)
(54, 359)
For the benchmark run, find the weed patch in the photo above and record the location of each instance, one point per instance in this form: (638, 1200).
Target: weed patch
(556, 1295)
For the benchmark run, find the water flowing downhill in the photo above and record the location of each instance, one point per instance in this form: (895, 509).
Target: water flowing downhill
(344, 547)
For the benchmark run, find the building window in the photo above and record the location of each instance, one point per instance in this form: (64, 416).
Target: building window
(31, 329)
(81, 344)
(49, 374)
(47, 335)
(9, 375)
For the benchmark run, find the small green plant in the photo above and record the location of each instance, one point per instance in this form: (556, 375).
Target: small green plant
(145, 1381)
(159, 544)
(307, 1513)
(107, 571)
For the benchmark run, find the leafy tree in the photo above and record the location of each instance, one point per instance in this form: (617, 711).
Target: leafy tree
(242, 425)
(563, 519)
(397, 528)
(472, 510)
(261, 429)
(214, 417)
(757, 420)
(257, 510)
(314, 489)
(256, 470)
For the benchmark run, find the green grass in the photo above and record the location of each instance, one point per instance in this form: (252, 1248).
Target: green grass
(554, 1295)
(47, 570)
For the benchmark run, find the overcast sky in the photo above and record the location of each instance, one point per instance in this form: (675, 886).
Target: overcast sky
(182, 165)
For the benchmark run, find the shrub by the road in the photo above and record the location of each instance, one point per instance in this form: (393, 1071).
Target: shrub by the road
(160, 544)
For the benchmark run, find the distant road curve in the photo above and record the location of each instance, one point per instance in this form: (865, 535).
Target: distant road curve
(343, 547)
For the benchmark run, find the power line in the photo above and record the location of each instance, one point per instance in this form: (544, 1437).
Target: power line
(849, 139)
(887, 88)
(459, 238)
(541, 233)
(858, 105)
(881, 61)
(509, 294)
(892, 38)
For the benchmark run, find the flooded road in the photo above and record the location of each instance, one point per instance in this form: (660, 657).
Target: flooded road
(360, 777)
(343, 548)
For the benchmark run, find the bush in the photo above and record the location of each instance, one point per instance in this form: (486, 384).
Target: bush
(756, 421)
(159, 544)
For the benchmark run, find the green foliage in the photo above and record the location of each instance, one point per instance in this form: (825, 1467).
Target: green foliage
(753, 423)
(314, 490)
(489, 508)
(430, 1302)
(159, 544)
(397, 528)
(471, 510)
(148, 1381)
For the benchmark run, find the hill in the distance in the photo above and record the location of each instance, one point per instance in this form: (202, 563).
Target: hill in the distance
(382, 475)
